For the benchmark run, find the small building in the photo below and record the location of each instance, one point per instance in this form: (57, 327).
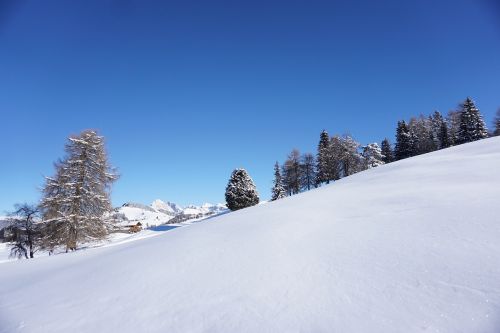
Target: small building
(133, 228)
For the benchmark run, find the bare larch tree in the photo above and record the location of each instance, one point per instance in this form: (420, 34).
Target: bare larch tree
(76, 198)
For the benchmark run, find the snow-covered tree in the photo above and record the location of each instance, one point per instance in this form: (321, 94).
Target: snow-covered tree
(23, 223)
(336, 153)
(403, 148)
(278, 190)
(352, 161)
(372, 155)
(472, 126)
(292, 173)
(439, 130)
(387, 152)
(453, 126)
(241, 191)
(323, 156)
(422, 135)
(307, 172)
(77, 197)
(496, 124)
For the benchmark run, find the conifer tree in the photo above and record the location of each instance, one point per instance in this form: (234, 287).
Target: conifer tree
(422, 135)
(387, 153)
(241, 191)
(403, 148)
(440, 130)
(414, 143)
(322, 172)
(472, 126)
(372, 155)
(443, 137)
(352, 161)
(336, 156)
(496, 124)
(76, 198)
(453, 126)
(278, 190)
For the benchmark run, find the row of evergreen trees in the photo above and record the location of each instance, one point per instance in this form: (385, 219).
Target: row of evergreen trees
(425, 134)
(341, 156)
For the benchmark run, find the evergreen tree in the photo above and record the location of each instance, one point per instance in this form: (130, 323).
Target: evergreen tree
(453, 126)
(422, 135)
(336, 155)
(443, 137)
(241, 191)
(387, 153)
(403, 148)
(75, 200)
(414, 143)
(322, 172)
(440, 130)
(496, 127)
(352, 161)
(372, 155)
(472, 126)
(278, 190)
(307, 174)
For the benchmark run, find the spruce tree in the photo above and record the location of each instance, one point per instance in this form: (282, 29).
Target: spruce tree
(472, 126)
(322, 174)
(372, 156)
(77, 197)
(387, 153)
(278, 190)
(422, 136)
(241, 191)
(352, 161)
(453, 126)
(336, 152)
(443, 137)
(404, 141)
(496, 124)
(440, 130)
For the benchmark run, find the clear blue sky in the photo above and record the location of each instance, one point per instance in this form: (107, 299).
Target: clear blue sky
(185, 91)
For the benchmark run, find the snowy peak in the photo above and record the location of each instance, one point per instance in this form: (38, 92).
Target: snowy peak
(168, 207)
(162, 212)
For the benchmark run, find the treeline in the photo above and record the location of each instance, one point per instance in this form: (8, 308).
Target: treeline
(341, 156)
(74, 202)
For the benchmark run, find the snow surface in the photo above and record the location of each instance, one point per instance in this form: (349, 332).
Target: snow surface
(412, 246)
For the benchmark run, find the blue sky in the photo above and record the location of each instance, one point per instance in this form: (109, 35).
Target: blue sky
(185, 92)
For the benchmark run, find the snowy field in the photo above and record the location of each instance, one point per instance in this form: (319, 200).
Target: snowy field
(413, 246)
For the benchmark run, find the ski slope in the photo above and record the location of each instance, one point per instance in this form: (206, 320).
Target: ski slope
(413, 246)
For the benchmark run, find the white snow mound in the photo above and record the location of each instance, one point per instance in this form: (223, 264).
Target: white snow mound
(408, 247)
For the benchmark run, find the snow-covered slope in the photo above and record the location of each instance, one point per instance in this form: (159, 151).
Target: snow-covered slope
(408, 247)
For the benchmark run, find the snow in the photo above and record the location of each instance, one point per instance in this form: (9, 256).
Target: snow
(406, 247)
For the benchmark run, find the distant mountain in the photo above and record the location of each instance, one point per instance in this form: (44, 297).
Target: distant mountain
(168, 207)
(161, 212)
